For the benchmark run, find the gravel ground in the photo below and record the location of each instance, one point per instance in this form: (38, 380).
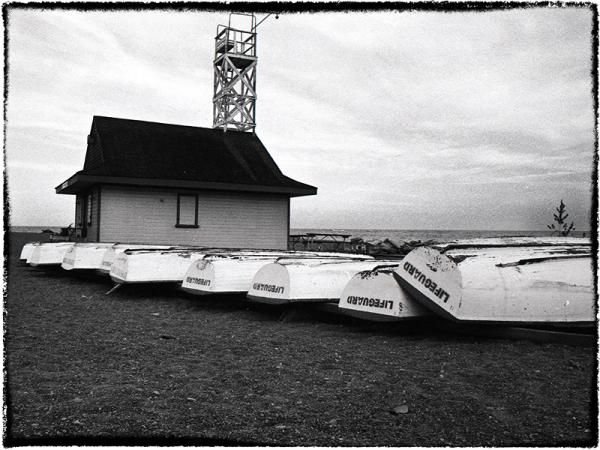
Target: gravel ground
(150, 364)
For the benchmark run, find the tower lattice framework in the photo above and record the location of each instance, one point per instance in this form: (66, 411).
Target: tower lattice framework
(234, 98)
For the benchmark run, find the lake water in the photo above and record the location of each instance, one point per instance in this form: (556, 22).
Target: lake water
(375, 234)
(424, 235)
(34, 229)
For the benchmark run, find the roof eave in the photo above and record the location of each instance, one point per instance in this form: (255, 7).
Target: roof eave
(79, 182)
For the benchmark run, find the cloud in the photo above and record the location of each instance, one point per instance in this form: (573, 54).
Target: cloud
(400, 119)
(41, 167)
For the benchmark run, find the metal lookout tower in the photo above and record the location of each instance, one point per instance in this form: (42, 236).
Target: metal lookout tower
(234, 98)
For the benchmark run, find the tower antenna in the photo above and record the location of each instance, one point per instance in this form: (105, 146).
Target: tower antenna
(263, 19)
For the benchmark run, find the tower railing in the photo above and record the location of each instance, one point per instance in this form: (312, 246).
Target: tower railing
(231, 40)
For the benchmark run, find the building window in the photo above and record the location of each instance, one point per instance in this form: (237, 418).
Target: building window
(89, 209)
(187, 211)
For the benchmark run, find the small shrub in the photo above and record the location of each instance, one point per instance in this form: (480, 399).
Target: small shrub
(561, 227)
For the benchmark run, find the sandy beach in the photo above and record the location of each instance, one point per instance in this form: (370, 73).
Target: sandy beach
(151, 364)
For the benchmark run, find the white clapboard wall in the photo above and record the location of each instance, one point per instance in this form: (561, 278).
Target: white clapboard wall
(225, 219)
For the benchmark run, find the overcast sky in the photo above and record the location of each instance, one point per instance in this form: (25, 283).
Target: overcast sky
(411, 120)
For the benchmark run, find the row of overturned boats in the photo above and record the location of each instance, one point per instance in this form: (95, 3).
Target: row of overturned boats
(536, 280)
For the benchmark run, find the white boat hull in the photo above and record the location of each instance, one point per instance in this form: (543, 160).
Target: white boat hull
(233, 274)
(49, 254)
(513, 242)
(163, 266)
(507, 284)
(153, 266)
(222, 276)
(298, 281)
(85, 256)
(109, 254)
(377, 295)
(27, 250)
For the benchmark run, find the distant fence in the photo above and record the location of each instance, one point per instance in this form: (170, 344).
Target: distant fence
(322, 242)
(330, 242)
(69, 234)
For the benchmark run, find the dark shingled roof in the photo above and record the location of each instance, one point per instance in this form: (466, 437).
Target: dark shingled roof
(133, 149)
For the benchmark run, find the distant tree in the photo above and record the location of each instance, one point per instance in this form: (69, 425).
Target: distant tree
(561, 227)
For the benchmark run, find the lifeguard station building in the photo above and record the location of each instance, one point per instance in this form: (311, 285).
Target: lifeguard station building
(156, 183)
(147, 182)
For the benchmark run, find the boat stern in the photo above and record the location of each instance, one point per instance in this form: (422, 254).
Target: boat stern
(107, 260)
(49, 254)
(27, 250)
(199, 278)
(377, 295)
(271, 284)
(119, 268)
(433, 279)
(70, 259)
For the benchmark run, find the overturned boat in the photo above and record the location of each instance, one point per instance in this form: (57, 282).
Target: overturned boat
(110, 253)
(49, 254)
(376, 295)
(155, 266)
(85, 256)
(27, 250)
(517, 280)
(169, 265)
(512, 241)
(233, 273)
(306, 280)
